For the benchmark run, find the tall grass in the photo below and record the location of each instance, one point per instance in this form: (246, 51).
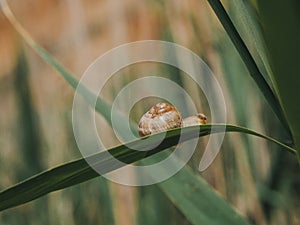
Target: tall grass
(250, 174)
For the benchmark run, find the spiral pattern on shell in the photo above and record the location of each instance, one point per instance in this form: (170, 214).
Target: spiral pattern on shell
(163, 116)
(160, 117)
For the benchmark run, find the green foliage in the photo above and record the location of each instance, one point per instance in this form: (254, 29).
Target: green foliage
(79, 170)
(281, 26)
(195, 199)
(250, 63)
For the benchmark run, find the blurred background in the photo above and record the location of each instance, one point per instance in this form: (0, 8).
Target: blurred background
(36, 111)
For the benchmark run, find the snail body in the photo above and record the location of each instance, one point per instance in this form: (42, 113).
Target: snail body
(163, 116)
(198, 119)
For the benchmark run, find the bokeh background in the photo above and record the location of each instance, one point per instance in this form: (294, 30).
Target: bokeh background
(261, 181)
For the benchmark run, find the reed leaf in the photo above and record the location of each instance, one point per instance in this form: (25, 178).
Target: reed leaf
(78, 171)
(250, 63)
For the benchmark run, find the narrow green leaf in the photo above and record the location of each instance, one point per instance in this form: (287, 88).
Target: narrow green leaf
(281, 25)
(250, 27)
(101, 105)
(198, 201)
(79, 170)
(249, 62)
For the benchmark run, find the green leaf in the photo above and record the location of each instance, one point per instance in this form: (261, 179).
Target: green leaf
(250, 63)
(101, 106)
(198, 201)
(281, 25)
(79, 170)
(213, 209)
(249, 25)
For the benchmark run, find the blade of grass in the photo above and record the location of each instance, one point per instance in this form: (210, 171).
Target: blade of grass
(249, 26)
(281, 26)
(101, 105)
(249, 62)
(78, 171)
(196, 199)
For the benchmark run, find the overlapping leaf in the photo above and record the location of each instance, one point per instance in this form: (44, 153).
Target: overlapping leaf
(201, 206)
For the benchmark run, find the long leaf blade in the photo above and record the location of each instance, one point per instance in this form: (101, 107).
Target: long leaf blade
(249, 62)
(79, 170)
(282, 38)
(196, 199)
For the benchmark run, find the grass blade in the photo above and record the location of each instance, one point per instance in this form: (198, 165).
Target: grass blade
(198, 201)
(249, 62)
(78, 171)
(101, 105)
(282, 38)
(249, 25)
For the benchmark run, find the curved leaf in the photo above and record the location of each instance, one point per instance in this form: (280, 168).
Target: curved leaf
(79, 170)
(282, 38)
(250, 63)
(213, 208)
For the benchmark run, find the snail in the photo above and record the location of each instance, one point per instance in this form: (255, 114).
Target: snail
(163, 116)
(198, 119)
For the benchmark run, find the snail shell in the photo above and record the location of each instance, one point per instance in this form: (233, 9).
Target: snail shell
(198, 119)
(163, 116)
(160, 117)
